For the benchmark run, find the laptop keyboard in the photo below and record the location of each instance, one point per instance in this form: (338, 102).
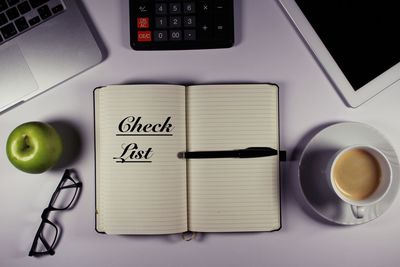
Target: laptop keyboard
(19, 16)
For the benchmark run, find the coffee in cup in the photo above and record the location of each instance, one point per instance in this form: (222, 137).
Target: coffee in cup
(360, 175)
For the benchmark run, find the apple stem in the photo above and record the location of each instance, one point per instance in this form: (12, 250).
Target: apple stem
(26, 141)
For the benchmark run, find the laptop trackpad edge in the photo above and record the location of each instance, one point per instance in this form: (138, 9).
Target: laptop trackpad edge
(16, 79)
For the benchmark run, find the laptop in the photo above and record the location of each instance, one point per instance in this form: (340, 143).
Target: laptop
(42, 43)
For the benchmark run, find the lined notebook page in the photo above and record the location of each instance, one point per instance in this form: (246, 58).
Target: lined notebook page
(140, 197)
(233, 194)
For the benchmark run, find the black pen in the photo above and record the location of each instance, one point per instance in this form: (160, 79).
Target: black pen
(251, 152)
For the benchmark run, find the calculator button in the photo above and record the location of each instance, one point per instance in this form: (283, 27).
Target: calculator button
(204, 7)
(189, 8)
(143, 23)
(220, 32)
(175, 22)
(221, 29)
(161, 9)
(160, 36)
(205, 27)
(220, 6)
(142, 9)
(175, 8)
(161, 22)
(189, 21)
(189, 35)
(144, 36)
(205, 24)
(175, 35)
(205, 30)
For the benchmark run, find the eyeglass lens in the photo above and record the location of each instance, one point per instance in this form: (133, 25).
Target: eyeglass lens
(65, 195)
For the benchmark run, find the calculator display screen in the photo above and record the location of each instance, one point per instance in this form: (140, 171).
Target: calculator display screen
(362, 36)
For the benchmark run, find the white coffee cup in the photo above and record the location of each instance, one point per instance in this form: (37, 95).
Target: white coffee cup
(360, 175)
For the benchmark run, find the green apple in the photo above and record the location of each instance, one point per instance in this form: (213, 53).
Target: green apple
(34, 147)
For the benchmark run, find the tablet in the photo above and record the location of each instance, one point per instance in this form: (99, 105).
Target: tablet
(356, 42)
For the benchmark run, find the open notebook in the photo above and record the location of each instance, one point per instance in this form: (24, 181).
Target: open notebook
(143, 186)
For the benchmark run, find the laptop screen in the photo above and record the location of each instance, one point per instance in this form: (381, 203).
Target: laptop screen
(362, 36)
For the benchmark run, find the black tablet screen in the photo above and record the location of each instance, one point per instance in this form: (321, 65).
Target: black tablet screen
(362, 36)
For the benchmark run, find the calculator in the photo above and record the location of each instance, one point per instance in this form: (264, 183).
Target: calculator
(181, 24)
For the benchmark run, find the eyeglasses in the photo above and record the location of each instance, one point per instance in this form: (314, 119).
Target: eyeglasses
(63, 198)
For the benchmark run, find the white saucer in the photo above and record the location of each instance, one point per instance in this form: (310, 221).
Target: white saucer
(314, 160)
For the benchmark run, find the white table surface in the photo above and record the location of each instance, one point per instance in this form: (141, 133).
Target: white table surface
(268, 49)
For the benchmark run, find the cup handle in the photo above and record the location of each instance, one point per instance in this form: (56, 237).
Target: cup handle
(358, 211)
